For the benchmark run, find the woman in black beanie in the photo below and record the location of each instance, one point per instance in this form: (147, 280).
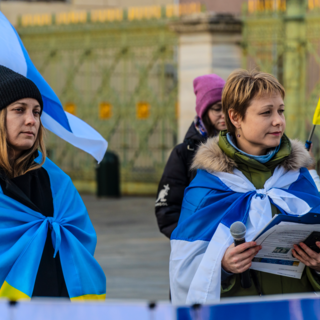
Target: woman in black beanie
(21, 134)
(25, 179)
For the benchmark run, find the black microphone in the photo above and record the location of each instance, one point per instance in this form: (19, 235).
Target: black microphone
(238, 232)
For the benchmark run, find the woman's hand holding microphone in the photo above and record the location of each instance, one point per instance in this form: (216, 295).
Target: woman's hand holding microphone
(238, 259)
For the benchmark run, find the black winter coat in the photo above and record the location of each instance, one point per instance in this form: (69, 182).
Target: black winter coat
(176, 177)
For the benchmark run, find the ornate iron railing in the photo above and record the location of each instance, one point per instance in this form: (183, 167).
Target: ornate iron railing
(121, 78)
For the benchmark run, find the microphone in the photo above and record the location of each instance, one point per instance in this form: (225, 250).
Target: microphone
(238, 231)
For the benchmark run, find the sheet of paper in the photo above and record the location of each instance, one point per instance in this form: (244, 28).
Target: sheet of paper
(286, 268)
(277, 243)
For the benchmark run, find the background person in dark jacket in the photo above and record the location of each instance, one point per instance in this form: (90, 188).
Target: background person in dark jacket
(177, 174)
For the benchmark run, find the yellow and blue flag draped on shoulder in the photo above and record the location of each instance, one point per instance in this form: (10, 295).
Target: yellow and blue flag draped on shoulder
(23, 234)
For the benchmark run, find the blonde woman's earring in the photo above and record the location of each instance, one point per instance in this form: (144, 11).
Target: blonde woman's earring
(238, 135)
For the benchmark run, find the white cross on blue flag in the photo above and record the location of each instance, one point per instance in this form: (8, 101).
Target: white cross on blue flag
(13, 55)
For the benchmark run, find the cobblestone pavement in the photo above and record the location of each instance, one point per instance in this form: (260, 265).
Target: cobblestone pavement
(132, 252)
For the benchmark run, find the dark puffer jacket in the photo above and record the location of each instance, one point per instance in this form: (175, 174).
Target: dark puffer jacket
(176, 177)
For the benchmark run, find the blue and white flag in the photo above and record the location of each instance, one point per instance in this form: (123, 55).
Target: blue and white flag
(211, 203)
(14, 56)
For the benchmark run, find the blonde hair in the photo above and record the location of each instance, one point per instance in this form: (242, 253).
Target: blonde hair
(24, 163)
(241, 87)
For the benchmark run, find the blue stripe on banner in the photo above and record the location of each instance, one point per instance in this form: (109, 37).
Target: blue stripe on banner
(51, 103)
(264, 310)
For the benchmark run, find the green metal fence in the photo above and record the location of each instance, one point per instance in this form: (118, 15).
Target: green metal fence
(283, 38)
(121, 78)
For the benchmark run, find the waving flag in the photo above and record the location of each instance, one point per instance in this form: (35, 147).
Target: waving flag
(13, 55)
(203, 232)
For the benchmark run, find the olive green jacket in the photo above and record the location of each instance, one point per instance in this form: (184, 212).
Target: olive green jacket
(219, 155)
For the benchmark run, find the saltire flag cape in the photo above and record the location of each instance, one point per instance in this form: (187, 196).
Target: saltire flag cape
(212, 202)
(14, 56)
(25, 233)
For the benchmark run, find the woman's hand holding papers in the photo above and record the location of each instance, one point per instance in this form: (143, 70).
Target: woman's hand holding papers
(238, 259)
(307, 256)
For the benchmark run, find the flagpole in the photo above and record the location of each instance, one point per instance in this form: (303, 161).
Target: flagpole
(308, 142)
(311, 133)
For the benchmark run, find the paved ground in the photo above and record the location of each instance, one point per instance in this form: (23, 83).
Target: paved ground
(130, 249)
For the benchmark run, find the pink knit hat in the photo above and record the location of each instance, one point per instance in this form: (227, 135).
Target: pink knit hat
(208, 90)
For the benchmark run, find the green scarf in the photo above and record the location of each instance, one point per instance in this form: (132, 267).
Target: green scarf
(258, 173)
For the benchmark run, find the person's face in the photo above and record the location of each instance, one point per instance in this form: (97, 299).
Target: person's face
(262, 126)
(216, 116)
(23, 122)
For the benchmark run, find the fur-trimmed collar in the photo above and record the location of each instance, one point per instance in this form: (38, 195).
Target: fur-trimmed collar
(211, 158)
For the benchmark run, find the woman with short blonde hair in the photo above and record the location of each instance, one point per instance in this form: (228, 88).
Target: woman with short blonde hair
(241, 177)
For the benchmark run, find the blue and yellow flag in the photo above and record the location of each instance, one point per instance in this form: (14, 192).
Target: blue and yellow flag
(23, 234)
(316, 116)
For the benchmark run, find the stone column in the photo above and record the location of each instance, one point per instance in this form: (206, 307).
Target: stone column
(208, 43)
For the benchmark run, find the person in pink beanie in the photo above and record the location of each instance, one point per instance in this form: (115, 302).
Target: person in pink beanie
(177, 175)
(208, 90)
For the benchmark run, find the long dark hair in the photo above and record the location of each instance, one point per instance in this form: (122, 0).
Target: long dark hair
(211, 129)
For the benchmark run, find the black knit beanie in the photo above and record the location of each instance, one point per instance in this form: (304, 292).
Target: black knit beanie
(14, 86)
